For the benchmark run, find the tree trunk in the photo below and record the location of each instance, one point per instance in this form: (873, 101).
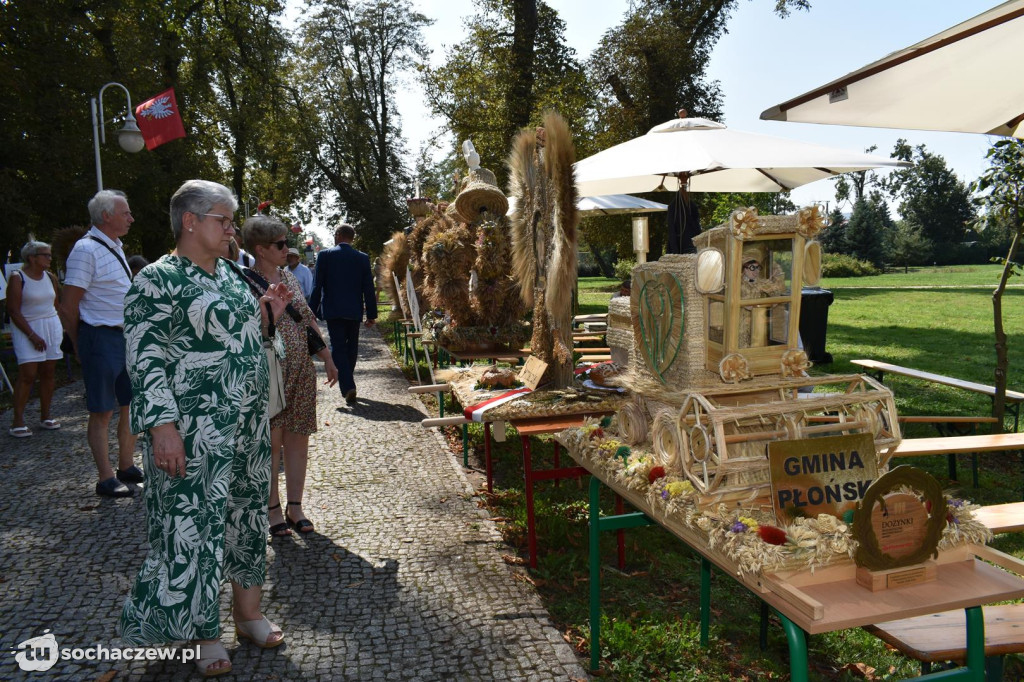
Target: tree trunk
(524, 39)
(606, 267)
(1002, 355)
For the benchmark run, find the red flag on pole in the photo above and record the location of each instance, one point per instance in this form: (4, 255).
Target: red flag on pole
(159, 119)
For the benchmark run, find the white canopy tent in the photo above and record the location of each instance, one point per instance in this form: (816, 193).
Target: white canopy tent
(714, 158)
(964, 79)
(612, 204)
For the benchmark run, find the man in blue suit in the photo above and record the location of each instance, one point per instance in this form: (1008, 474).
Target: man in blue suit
(342, 287)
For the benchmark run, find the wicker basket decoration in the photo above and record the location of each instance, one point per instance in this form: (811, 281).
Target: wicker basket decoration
(660, 318)
(724, 434)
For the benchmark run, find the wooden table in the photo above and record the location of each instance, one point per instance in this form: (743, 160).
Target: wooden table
(830, 598)
(536, 427)
(1013, 398)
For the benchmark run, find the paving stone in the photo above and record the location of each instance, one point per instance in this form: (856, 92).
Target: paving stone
(394, 585)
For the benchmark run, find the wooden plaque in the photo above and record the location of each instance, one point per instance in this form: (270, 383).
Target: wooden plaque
(896, 530)
(532, 372)
(827, 475)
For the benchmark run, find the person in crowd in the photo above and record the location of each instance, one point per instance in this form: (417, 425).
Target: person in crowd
(342, 291)
(265, 238)
(200, 380)
(136, 263)
(37, 333)
(92, 305)
(303, 274)
(242, 257)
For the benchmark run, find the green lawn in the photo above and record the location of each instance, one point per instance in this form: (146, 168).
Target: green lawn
(650, 611)
(952, 275)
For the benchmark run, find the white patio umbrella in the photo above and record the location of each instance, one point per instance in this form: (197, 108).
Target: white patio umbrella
(715, 159)
(964, 79)
(612, 204)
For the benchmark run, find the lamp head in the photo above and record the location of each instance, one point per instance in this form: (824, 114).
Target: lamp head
(130, 137)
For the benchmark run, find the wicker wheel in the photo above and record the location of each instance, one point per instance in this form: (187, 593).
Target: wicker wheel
(698, 450)
(666, 441)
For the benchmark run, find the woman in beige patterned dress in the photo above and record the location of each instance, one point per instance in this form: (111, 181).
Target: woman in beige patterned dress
(290, 430)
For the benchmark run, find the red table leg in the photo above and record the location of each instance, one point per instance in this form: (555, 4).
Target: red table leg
(487, 456)
(558, 463)
(531, 526)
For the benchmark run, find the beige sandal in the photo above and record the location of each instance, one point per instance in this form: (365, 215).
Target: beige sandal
(210, 654)
(258, 632)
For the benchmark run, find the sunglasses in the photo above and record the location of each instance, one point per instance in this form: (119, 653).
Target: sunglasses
(281, 244)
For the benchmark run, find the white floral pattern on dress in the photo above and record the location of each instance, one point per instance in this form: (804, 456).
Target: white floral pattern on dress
(195, 357)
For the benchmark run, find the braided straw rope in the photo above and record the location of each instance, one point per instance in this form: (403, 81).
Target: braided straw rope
(633, 423)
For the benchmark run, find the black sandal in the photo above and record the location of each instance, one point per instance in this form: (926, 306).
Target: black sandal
(279, 530)
(302, 525)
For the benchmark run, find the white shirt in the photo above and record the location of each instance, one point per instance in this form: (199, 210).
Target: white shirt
(305, 277)
(91, 266)
(245, 259)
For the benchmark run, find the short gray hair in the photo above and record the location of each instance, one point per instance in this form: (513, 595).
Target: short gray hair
(261, 230)
(31, 248)
(198, 196)
(102, 204)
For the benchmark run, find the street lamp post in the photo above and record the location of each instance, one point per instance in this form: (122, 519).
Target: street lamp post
(129, 137)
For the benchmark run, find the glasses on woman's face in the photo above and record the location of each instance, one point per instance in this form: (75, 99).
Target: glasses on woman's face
(753, 267)
(281, 244)
(226, 222)
(47, 254)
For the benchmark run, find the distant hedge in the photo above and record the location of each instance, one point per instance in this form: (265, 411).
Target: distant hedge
(841, 265)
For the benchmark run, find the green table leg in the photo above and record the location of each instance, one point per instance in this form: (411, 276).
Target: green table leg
(440, 403)
(465, 445)
(595, 574)
(705, 600)
(974, 671)
(597, 525)
(797, 649)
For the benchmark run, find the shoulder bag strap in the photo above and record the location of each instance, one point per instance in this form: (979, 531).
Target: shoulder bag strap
(114, 253)
(262, 281)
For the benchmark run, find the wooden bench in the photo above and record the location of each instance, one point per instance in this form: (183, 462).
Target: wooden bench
(1013, 398)
(1002, 518)
(946, 426)
(959, 445)
(942, 637)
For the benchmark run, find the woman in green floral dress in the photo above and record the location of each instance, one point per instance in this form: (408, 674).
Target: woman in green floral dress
(200, 383)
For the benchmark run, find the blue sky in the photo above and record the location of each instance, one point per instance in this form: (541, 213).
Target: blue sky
(762, 61)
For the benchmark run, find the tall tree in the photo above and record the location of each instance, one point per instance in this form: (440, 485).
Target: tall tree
(351, 58)
(1002, 185)
(932, 199)
(243, 71)
(655, 62)
(866, 232)
(513, 64)
(833, 236)
(57, 55)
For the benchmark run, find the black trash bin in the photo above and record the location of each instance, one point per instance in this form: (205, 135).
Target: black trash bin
(814, 303)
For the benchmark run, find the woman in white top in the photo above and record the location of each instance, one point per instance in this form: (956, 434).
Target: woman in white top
(31, 303)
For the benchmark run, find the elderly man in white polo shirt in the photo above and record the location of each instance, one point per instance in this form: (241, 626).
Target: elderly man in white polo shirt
(97, 280)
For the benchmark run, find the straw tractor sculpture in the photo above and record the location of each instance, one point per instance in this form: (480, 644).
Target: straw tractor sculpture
(717, 371)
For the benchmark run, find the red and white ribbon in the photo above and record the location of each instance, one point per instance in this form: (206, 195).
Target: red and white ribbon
(476, 412)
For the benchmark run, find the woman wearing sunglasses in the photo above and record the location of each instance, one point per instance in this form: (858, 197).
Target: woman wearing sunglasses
(290, 430)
